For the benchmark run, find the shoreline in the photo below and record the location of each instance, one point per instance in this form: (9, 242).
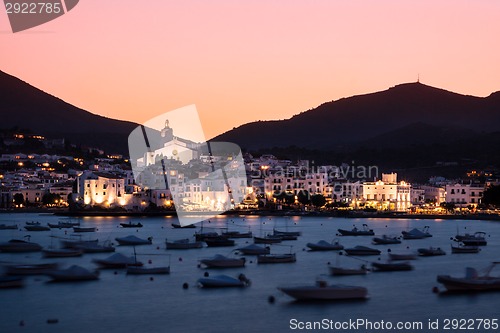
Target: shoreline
(476, 217)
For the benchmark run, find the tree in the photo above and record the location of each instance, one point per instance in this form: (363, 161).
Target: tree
(318, 200)
(18, 199)
(50, 198)
(492, 196)
(449, 206)
(304, 197)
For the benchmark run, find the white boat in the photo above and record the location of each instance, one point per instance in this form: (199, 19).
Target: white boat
(337, 270)
(94, 247)
(62, 225)
(431, 251)
(72, 274)
(62, 253)
(323, 245)
(220, 261)
(391, 266)
(472, 280)
(133, 240)
(30, 269)
(254, 249)
(223, 281)
(385, 239)
(286, 233)
(460, 248)
(324, 292)
(362, 251)
(237, 234)
(36, 228)
(416, 233)
(84, 229)
(402, 256)
(75, 243)
(8, 226)
(276, 258)
(135, 270)
(477, 239)
(117, 260)
(18, 245)
(357, 232)
(183, 244)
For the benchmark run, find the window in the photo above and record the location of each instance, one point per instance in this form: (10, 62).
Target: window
(88, 185)
(103, 193)
(452, 191)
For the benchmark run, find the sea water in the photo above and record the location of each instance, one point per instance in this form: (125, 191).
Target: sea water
(123, 303)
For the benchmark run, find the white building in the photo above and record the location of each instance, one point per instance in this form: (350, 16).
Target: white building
(464, 194)
(103, 189)
(387, 194)
(435, 194)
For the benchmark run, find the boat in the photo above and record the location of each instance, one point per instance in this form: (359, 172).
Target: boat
(220, 261)
(133, 240)
(200, 237)
(36, 228)
(385, 239)
(94, 247)
(11, 282)
(276, 258)
(84, 229)
(178, 226)
(224, 281)
(135, 270)
(8, 226)
(321, 291)
(62, 225)
(286, 233)
(62, 253)
(267, 240)
(357, 232)
(219, 241)
(254, 249)
(416, 233)
(30, 269)
(477, 239)
(431, 251)
(32, 223)
(362, 251)
(237, 234)
(323, 245)
(472, 280)
(18, 245)
(75, 243)
(73, 274)
(391, 266)
(131, 225)
(337, 270)
(460, 248)
(183, 244)
(402, 256)
(117, 260)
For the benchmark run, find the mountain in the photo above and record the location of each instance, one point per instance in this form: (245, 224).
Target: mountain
(27, 107)
(411, 113)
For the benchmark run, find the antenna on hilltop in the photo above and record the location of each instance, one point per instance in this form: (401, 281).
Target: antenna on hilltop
(418, 78)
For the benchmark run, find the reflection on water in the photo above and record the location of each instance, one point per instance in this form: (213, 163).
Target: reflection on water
(121, 303)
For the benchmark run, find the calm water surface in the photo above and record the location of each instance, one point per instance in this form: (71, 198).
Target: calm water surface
(121, 303)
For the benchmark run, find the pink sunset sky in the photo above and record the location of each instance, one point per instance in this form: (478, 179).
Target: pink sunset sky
(241, 61)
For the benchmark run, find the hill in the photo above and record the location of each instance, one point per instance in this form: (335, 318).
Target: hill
(411, 113)
(28, 107)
